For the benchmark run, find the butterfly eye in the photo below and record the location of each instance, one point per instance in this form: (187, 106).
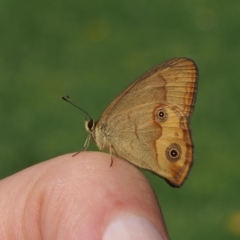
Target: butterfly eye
(173, 152)
(161, 115)
(90, 125)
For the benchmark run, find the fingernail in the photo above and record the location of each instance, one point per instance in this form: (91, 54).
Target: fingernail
(129, 227)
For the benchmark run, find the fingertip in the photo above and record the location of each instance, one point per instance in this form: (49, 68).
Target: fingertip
(121, 193)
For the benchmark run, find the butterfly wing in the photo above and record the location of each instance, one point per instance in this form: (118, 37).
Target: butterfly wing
(148, 123)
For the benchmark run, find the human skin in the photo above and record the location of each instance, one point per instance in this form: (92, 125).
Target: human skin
(80, 197)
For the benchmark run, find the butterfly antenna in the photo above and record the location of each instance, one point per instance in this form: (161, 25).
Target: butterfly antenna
(68, 99)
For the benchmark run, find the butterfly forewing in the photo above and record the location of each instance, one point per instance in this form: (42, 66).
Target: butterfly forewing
(148, 123)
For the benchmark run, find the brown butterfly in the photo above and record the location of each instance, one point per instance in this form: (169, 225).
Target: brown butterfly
(148, 123)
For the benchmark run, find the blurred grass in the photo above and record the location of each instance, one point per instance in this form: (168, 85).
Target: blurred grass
(92, 51)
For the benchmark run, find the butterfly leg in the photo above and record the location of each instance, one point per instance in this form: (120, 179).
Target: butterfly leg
(111, 156)
(85, 146)
(112, 149)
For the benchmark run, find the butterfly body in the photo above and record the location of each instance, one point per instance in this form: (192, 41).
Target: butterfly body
(148, 123)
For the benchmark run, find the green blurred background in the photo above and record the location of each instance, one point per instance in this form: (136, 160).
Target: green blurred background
(92, 50)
